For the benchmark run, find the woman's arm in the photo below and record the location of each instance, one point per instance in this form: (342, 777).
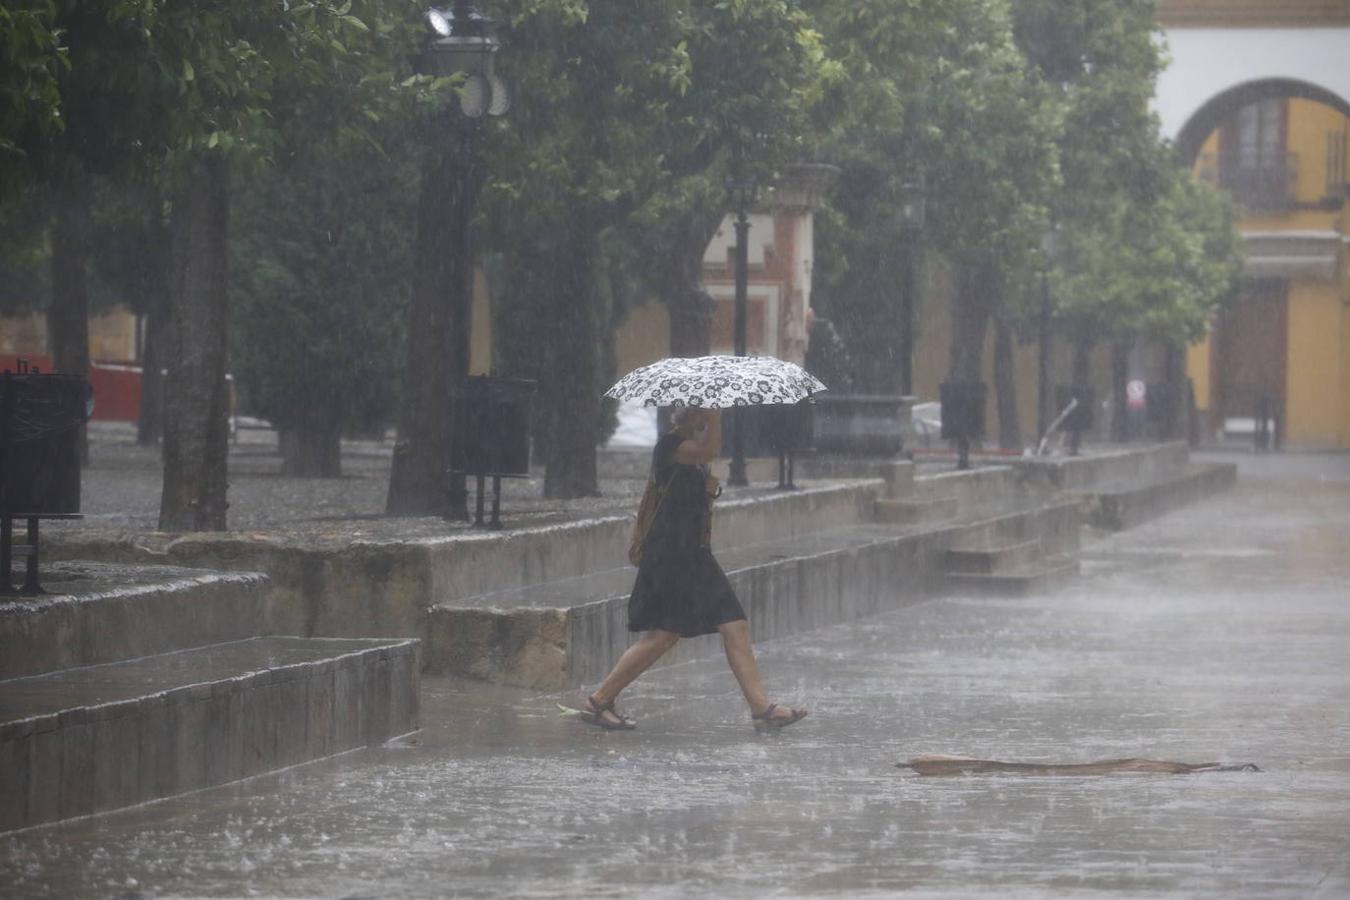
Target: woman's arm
(705, 443)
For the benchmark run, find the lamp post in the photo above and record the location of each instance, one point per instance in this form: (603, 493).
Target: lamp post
(741, 190)
(1049, 251)
(911, 215)
(466, 45)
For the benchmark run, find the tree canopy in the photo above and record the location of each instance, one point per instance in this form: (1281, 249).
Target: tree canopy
(123, 120)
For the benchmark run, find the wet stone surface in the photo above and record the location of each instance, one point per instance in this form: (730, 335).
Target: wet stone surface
(1216, 633)
(121, 495)
(82, 581)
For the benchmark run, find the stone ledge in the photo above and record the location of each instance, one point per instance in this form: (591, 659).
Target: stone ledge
(369, 588)
(981, 487)
(562, 634)
(1081, 473)
(1116, 508)
(98, 612)
(104, 737)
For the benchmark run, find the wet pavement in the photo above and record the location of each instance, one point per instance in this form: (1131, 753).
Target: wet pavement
(1215, 633)
(121, 493)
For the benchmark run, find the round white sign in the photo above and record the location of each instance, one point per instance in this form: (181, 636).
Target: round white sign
(1135, 392)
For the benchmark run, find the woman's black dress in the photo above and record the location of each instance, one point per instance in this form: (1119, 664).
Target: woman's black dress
(680, 587)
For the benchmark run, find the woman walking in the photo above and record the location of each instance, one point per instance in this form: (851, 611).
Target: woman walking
(680, 590)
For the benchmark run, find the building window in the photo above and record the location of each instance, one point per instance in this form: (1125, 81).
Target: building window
(1253, 163)
(1336, 168)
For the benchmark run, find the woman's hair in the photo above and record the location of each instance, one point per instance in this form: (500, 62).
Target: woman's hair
(681, 415)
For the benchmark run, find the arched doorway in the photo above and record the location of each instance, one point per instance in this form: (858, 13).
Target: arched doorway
(1278, 146)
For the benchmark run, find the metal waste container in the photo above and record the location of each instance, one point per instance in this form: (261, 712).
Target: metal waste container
(496, 425)
(40, 418)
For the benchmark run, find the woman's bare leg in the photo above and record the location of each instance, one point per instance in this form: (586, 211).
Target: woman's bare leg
(741, 658)
(635, 660)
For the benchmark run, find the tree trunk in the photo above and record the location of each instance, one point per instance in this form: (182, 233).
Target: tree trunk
(1174, 376)
(437, 345)
(312, 448)
(687, 301)
(150, 422)
(971, 307)
(68, 315)
(1120, 374)
(571, 398)
(196, 427)
(1005, 387)
(1082, 362)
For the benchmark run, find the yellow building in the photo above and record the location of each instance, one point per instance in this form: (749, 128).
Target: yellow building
(1257, 97)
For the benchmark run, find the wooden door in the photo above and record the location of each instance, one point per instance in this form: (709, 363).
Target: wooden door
(1250, 362)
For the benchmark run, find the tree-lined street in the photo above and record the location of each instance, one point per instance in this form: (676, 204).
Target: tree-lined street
(314, 186)
(1216, 633)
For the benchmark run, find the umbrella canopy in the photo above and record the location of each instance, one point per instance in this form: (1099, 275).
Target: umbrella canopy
(716, 382)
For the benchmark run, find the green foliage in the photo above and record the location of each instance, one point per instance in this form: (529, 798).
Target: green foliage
(129, 253)
(581, 151)
(25, 254)
(936, 91)
(321, 249)
(1157, 269)
(32, 59)
(1145, 252)
(627, 118)
(320, 265)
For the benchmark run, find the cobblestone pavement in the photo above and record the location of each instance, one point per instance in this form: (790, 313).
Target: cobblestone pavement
(121, 491)
(1216, 633)
(122, 483)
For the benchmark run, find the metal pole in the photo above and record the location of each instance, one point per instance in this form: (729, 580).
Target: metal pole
(6, 523)
(1043, 361)
(907, 315)
(460, 324)
(737, 476)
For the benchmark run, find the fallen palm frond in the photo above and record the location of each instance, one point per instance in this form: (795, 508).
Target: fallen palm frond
(962, 765)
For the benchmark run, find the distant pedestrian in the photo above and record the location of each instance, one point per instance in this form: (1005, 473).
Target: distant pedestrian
(680, 590)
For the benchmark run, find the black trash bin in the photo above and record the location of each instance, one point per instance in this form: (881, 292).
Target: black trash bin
(494, 434)
(1164, 408)
(40, 419)
(963, 405)
(786, 429)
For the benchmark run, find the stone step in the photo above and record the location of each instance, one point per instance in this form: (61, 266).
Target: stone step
(96, 613)
(992, 560)
(568, 632)
(98, 738)
(908, 511)
(561, 633)
(1039, 578)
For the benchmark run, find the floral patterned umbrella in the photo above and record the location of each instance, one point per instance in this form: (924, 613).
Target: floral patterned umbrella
(716, 382)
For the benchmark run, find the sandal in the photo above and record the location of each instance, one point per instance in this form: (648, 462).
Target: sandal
(767, 721)
(594, 714)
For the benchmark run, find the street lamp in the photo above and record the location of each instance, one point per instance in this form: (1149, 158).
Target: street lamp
(910, 216)
(741, 190)
(465, 45)
(1050, 252)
